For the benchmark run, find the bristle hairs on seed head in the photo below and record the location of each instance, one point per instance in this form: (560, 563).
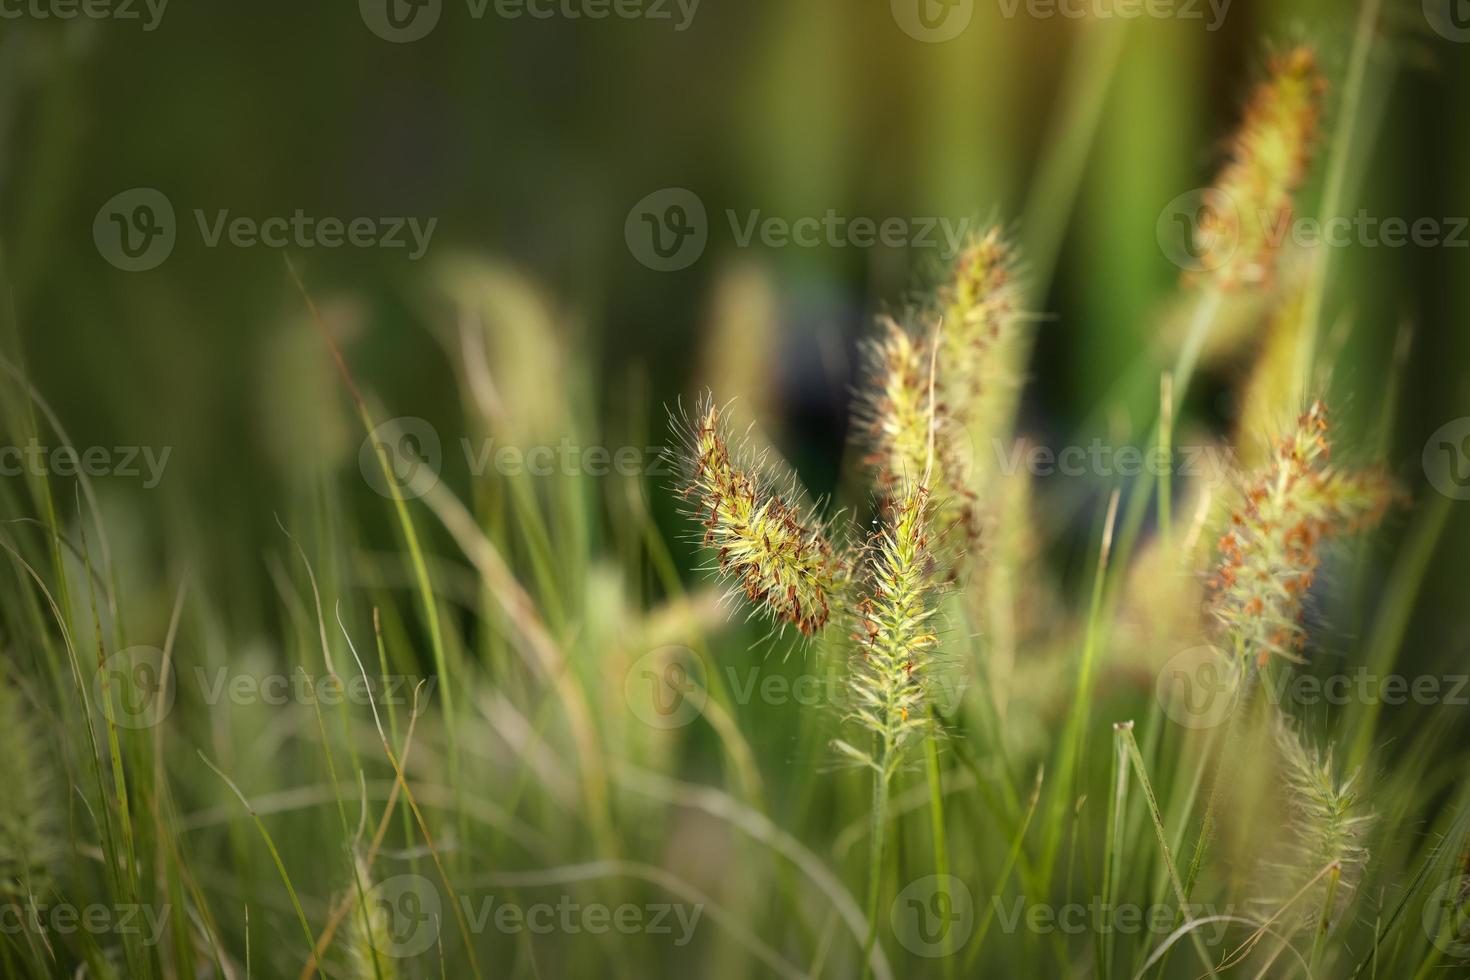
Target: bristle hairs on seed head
(1271, 154)
(910, 436)
(1328, 821)
(29, 843)
(979, 301)
(1270, 553)
(939, 376)
(770, 545)
(895, 636)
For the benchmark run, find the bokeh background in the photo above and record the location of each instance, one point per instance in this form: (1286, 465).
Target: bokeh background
(529, 140)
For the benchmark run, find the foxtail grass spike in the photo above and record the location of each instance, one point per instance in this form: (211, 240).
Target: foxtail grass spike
(1270, 554)
(1328, 822)
(1252, 202)
(902, 420)
(894, 635)
(773, 550)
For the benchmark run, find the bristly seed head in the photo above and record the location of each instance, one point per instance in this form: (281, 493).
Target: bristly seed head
(777, 554)
(973, 316)
(897, 418)
(1239, 232)
(1269, 555)
(894, 636)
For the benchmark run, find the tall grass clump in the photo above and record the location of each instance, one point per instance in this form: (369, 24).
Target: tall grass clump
(877, 704)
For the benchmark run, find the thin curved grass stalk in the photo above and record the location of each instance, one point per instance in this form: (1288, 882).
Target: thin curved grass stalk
(659, 877)
(724, 807)
(771, 548)
(1349, 111)
(424, 585)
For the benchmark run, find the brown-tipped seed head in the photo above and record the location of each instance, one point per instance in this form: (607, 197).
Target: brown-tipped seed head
(777, 554)
(1251, 205)
(1269, 556)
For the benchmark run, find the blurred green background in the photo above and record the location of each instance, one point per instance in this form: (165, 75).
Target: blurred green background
(530, 140)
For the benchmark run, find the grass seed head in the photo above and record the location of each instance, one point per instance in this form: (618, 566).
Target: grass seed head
(772, 549)
(897, 418)
(1327, 822)
(1271, 155)
(895, 636)
(1270, 553)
